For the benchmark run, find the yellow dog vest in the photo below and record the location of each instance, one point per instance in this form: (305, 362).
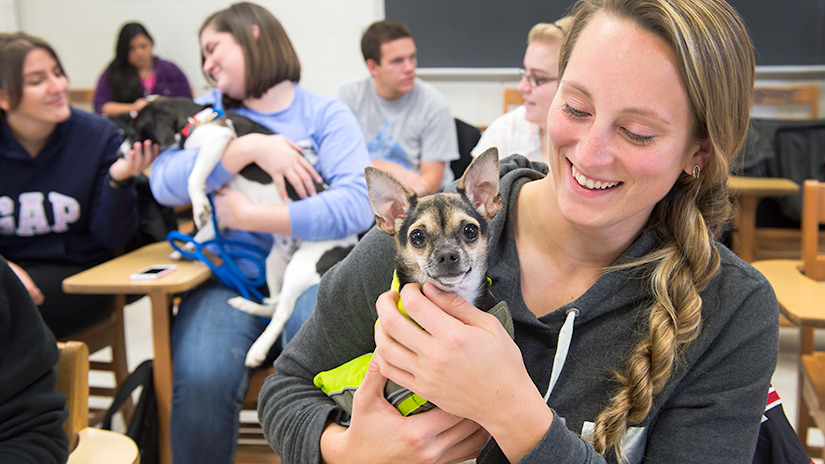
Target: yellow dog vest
(341, 382)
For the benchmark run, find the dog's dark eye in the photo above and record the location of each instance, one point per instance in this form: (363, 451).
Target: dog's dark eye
(417, 238)
(470, 232)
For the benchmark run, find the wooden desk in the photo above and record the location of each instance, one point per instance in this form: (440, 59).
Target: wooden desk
(747, 192)
(112, 277)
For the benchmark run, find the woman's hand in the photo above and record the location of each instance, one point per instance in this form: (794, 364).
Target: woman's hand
(379, 433)
(232, 208)
(139, 104)
(139, 158)
(279, 157)
(464, 362)
(33, 289)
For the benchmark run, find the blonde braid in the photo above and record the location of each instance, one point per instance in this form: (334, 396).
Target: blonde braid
(715, 57)
(677, 275)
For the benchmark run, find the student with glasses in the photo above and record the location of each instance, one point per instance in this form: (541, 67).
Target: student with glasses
(522, 129)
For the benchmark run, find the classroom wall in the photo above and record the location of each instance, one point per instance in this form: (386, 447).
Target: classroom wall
(8, 15)
(325, 33)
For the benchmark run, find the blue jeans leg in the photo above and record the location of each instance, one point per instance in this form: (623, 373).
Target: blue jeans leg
(209, 344)
(304, 307)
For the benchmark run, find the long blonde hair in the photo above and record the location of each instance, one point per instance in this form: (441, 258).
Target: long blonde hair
(715, 59)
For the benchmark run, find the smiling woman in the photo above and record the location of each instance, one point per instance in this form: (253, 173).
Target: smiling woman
(637, 334)
(66, 200)
(249, 58)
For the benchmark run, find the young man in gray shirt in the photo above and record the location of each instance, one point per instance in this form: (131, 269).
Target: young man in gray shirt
(407, 124)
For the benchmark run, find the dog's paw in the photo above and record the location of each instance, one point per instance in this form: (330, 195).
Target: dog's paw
(256, 354)
(175, 255)
(263, 310)
(201, 210)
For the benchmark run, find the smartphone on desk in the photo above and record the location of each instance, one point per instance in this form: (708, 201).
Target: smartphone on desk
(153, 272)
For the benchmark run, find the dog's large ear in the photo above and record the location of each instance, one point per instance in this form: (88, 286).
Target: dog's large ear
(161, 121)
(151, 123)
(390, 199)
(480, 183)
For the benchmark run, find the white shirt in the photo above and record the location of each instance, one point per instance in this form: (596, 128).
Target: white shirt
(511, 133)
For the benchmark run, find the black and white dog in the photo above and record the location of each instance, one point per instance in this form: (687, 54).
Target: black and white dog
(179, 121)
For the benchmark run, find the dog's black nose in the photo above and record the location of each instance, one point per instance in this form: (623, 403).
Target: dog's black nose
(448, 258)
(448, 262)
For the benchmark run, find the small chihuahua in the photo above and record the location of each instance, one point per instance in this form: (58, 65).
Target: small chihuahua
(440, 239)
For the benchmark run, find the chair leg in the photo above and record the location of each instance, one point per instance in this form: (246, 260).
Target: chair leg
(804, 421)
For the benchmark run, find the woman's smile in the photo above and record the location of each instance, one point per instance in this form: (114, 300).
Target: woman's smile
(589, 183)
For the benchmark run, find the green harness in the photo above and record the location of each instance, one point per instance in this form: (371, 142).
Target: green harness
(341, 382)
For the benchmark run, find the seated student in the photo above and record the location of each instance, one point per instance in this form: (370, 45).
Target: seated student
(406, 122)
(135, 73)
(123, 87)
(250, 60)
(66, 200)
(522, 130)
(637, 335)
(31, 411)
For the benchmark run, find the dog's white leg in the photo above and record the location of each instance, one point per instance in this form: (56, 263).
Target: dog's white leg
(212, 140)
(299, 275)
(297, 279)
(264, 309)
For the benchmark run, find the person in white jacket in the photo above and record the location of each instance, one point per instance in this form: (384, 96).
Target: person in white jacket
(521, 130)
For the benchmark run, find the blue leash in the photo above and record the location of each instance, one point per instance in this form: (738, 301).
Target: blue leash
(226, 270)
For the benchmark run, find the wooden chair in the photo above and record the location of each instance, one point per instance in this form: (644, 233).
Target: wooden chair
(770, 242)
(801, 294)
(512, 97)
(108, 333)
(87, 445)
(252, 446)
(468, 137)
(790, 96)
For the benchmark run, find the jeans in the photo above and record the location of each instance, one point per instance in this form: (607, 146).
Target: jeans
(209, 344)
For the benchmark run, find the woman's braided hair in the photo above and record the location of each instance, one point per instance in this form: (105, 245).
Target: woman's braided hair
(714, 54)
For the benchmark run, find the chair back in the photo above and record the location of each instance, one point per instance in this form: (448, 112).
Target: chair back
(468, 137)
(796, 96)
(512, 97)
(73, 381)
(813, 214)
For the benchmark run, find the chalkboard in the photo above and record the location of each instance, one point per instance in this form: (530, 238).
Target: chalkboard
(493, 33)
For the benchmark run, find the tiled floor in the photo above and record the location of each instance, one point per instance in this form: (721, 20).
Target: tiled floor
(139, 348)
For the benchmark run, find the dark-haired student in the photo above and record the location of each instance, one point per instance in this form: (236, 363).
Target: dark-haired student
(67, 202)
(136, 73)
(251, 62)
(405, 121)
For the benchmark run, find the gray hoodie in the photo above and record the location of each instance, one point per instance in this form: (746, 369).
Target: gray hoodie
(709, 412)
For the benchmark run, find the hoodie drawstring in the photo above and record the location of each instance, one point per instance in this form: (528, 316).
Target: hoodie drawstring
(563, 345)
